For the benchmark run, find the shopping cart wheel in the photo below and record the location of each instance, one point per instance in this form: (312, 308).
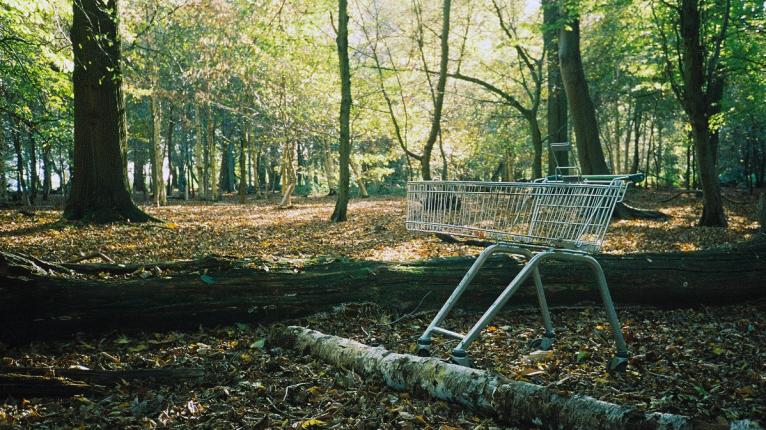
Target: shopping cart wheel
(424, 348)
(460, 358)
(542, 343)
(618, 363)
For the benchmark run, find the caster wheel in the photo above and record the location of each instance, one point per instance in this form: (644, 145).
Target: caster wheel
(617, 364)
(461, 359)
(423, 352)
(542, 343)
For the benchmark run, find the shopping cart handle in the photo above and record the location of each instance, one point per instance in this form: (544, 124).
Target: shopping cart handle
(635, 178)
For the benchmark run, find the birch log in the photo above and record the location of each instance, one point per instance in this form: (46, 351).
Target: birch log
(513, 402)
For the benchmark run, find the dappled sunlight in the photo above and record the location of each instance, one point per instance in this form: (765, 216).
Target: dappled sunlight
(375, 231)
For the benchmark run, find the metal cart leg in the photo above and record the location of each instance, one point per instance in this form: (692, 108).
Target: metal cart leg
(424, 342)
(546, 341)
(459, 355)
(617, 363)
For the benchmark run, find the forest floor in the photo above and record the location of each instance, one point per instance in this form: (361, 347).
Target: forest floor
(375, 231)
(708, 362)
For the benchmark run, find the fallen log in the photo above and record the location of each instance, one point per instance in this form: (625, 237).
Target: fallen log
(36, 305)
(514, 402)
(164, 375)
(26, 386)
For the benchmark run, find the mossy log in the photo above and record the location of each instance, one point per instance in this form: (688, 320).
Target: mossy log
(42, 300)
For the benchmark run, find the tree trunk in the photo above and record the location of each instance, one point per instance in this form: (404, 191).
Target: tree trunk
(341, 203)
(329, 170)
(359, 180)
(158, 177)
(243, 164)
(47, 171)
(100, 190)
(513, 402)
(589, 151)
(212, 155)
(171, 152)
(3, 156)
(36, 305)
(34, 180)
(637, 114)
(441, 84)
(139, 161)
(199, 154)
(288, 173)
(21, 183)
(701, 95)
(537, 145)
(557, 99)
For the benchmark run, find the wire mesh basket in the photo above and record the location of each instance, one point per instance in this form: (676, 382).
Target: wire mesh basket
(546, 213)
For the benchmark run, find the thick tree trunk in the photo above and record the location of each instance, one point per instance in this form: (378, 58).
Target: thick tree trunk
(589, 151)
(341, 204)
(38, 305)
(515, 402)
(701, 97)
(100, 190)
(557, 99)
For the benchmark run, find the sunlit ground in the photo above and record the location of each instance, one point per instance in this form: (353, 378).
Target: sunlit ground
(375, 230)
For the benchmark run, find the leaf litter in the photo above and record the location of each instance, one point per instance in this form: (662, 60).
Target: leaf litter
(707, 363)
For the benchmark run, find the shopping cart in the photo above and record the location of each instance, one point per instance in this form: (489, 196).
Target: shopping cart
(561, 217)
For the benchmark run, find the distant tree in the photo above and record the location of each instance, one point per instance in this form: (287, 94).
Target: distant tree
(441, 84)
(341, 204)
(700, 31)
(557, 98)
(589, 151)
(100, 190)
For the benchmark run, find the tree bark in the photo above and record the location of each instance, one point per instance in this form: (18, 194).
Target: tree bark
(21, 183)
(557, 99)
(589, 151)
(514, 402)
(42, 300)
(243, 146)
(339, 214)
(47, 170)
(158, 177)
(3, 156)
(441, 84)
(212, 155)
(100, 190)
(34, 180)
(199, 153)
(701, 98)
(359, 180)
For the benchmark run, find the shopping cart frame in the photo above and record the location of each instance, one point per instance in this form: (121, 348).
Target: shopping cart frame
(534, 246)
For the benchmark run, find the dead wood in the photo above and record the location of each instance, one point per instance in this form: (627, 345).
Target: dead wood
(41, 300)
(515, 402)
